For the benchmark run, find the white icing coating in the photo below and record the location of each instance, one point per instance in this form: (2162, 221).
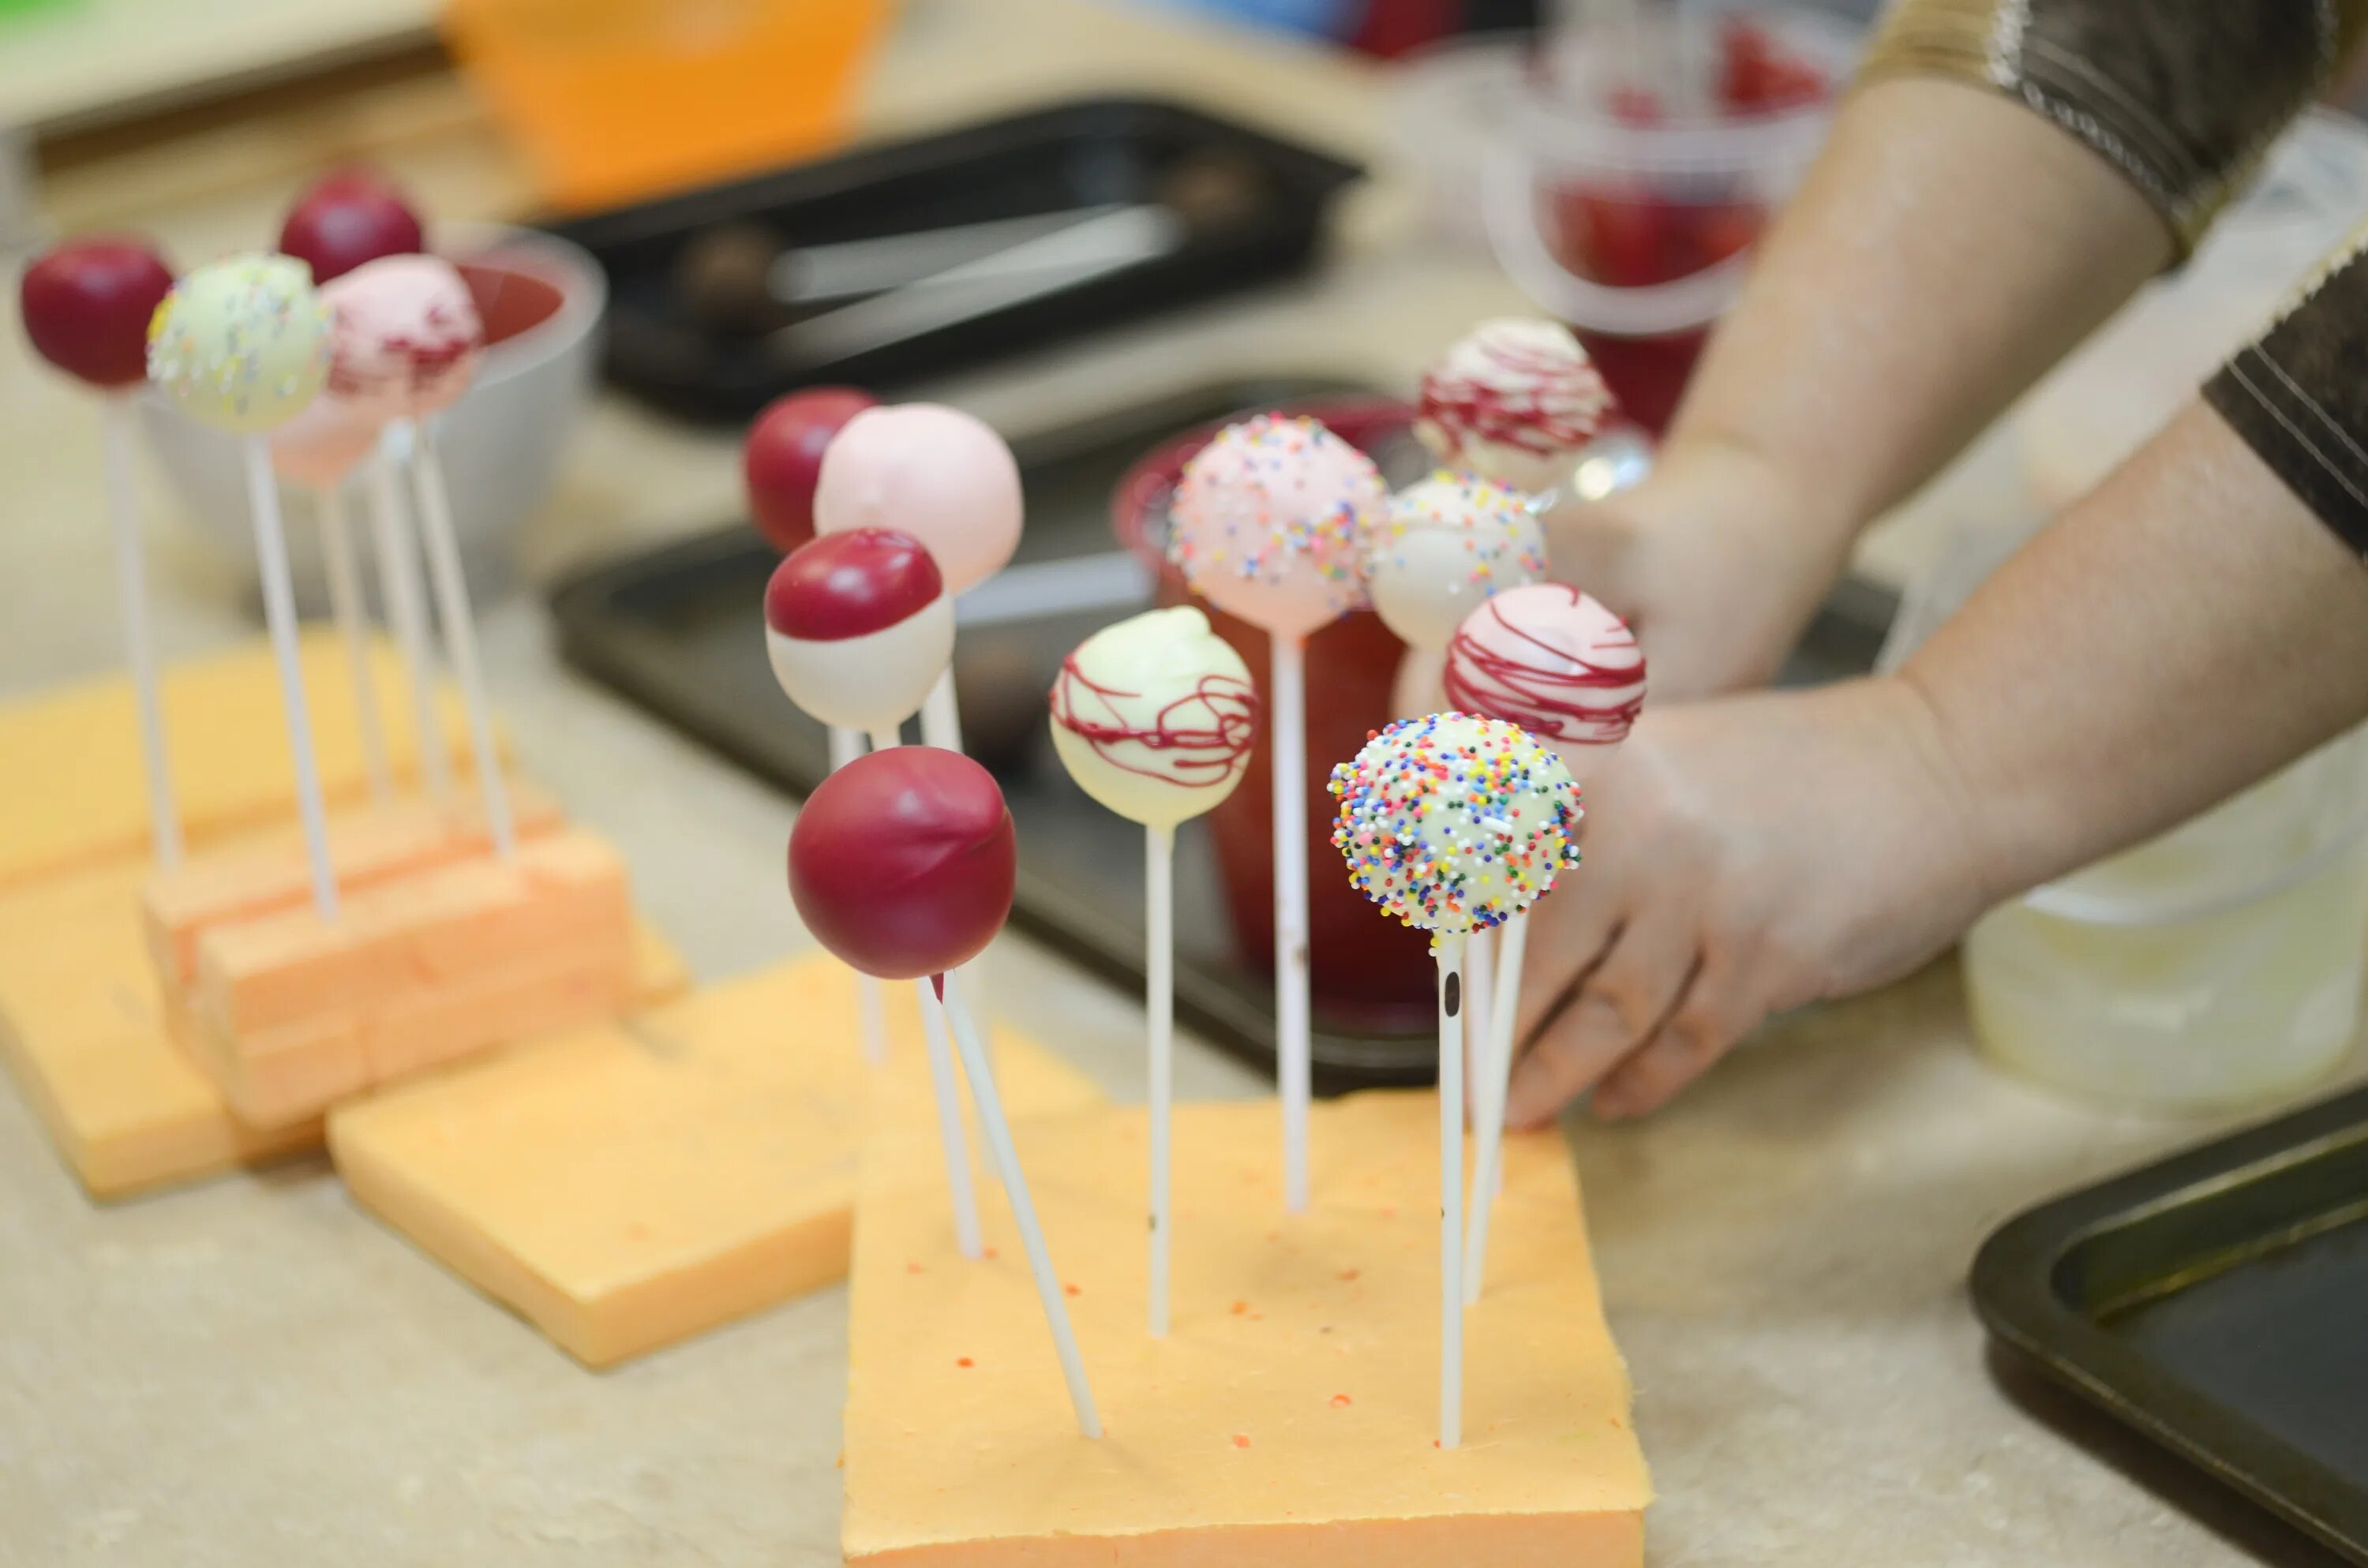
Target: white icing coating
(1154, 717)
(1450, 541)
(1513, 400)
(871, 681)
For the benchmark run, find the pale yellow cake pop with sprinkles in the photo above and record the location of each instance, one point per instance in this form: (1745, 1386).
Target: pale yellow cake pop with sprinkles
(241, 344)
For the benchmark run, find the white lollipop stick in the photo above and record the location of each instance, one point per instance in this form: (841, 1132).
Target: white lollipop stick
(346, 609)
(1159, 1001)
(460, 632)
(940, 716)
(1451, 1189)
(1479, 979)
(845, 745)
(1488, 1121)
(132, 597)
(398, 579)
(1023, 1208)
(951, 1140)
(1293, 1065)
(279, 611)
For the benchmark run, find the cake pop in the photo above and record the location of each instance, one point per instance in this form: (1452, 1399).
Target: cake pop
(858, 625)
(902, 863)
(1265, 524)
(87, 306)
(318, 450)
(348, 217)
(242, 344)
(1454, 823)
(1449, 542)
(1514, 400)
(408, 339)
(945, 478)
(1551, 659)
(781, 461)
(1154, 717)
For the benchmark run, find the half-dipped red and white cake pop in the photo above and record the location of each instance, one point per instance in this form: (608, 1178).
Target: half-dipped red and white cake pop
(1555, 662)
(1266, 519)
(1514, 400)
(405, 337)
(782, 460)
(938, 474)
(87, 305)
(348, 217)
(857, 625)
(1448, 542)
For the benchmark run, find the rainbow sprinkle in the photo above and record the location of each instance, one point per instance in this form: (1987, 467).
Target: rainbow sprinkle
(1452, 823)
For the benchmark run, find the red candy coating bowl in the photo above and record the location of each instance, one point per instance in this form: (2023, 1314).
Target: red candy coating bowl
(901, 862)
(87, 304)
(783, 458)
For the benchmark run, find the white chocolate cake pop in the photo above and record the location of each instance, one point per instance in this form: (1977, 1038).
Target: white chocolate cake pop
(1266, 522)
(1555, 662)
(1454, 823)
(241, 344)
(1450, 541)
(857, 625)
(1514, 400)
(1154, 717)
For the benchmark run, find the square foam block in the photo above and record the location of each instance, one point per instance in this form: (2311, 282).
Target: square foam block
(1290, 1418)
(75, 793)
(289, 1012)
(627, 1185)
(83, 1027)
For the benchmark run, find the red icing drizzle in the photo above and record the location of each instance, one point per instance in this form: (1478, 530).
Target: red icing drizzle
(1550, 698)
(1212, 750)
(1464, 406)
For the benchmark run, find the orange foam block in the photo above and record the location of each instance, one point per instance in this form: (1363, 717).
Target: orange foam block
(291, 1013)
(83, 1027)
(74, 792)
(627, 1185)
(1289, 1420)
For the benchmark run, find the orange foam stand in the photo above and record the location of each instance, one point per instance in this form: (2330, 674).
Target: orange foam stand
(1290, 1418)
(627, 1185)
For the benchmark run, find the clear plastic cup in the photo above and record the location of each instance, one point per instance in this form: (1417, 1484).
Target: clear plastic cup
(2218, 966)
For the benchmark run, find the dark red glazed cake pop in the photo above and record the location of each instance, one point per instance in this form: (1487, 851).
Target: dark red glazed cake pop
(347, 217)
(783, 458)
(87, 304)
(901, 862)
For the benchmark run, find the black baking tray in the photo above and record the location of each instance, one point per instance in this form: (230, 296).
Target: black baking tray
(1102, 149)
(2216, 1302)
(678, 631)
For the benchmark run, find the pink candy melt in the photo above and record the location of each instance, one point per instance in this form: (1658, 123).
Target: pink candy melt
(1267, 521)
(850, 584)
(1551, 660)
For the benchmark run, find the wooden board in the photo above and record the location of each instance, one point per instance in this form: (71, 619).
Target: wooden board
(627, 1185)
(1290, 1418)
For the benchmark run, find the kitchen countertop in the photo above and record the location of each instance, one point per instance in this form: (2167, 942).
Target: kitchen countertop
(254, 1371)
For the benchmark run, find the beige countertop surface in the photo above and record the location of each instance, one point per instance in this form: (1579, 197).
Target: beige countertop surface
(254, 1371)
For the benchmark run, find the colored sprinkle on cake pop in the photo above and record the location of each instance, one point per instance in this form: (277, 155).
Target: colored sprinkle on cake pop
(1452, 823)
(1450, 542)
(1267, 521)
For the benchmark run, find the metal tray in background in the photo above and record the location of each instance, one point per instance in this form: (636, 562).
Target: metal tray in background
(1049, 160)
(2217, 1302)
(676, 631)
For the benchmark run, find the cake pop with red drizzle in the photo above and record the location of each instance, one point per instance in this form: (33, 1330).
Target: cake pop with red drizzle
(1555, 662)
(348, 217)
(1154, 717)
(902, 864)
(1513, 401)
(781, 461)
(858, 625)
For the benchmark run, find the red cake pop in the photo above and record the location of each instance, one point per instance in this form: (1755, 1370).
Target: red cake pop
(901, 862)
(87, 304)
(348, 217)
(783, 458)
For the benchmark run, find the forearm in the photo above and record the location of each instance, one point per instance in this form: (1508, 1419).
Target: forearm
(2185, 630)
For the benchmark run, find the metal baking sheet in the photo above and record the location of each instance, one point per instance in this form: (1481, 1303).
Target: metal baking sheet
(2217, 1302)
(676, 631)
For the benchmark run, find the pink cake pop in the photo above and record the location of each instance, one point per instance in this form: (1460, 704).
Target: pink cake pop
(1267, 521)
(1514, 400)
(348, 217)
(405, 336)
(903, 863)
(1555, 662)
(87, 305)
(858, 625)
(935, 472)
(781, 461)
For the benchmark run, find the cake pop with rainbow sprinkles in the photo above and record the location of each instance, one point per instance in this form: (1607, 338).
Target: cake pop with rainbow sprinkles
(1267, 522)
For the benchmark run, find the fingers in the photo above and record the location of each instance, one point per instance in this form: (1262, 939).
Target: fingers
(1712, 1016)
(1618, 1006)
